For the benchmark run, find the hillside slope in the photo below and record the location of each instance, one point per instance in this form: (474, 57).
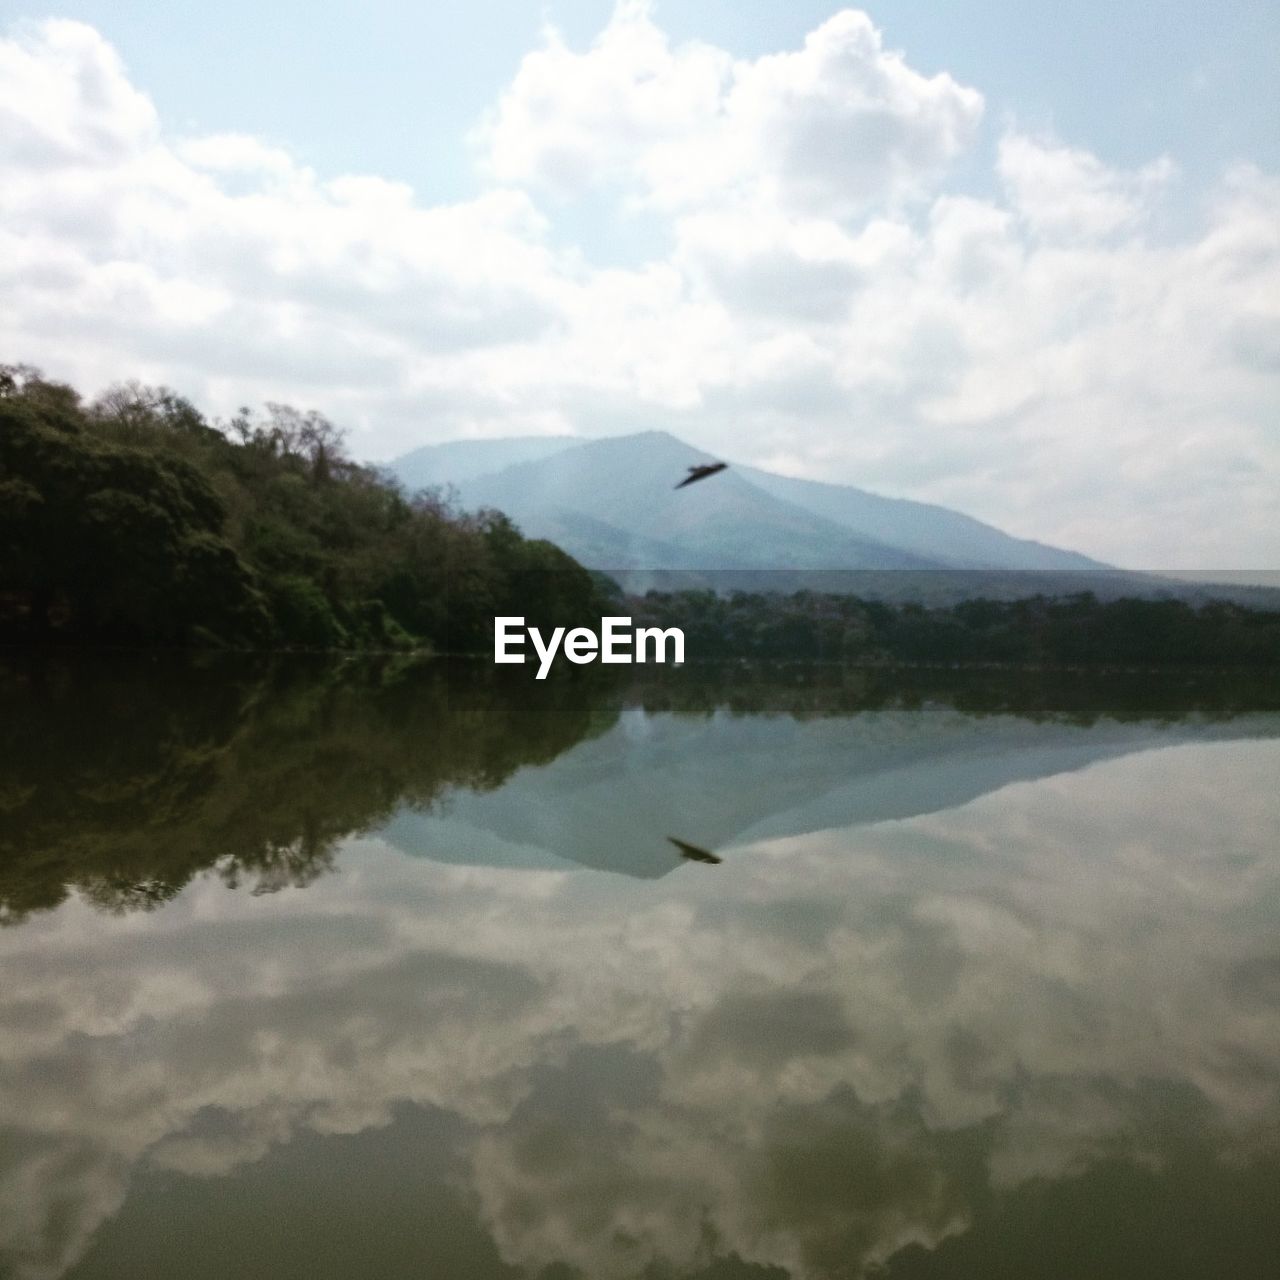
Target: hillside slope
(921, 527)
(616, 500)
(458, 460)
(613, 504)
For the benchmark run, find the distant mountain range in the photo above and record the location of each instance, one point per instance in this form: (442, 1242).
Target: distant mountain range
(613, 505)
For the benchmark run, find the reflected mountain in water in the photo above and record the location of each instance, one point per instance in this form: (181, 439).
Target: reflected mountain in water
(726, 781)
(124, 777)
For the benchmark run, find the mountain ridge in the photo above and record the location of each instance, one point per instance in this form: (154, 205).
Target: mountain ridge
(963, 530)
(611, 502)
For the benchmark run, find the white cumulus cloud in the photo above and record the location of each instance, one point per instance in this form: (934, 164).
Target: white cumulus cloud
(824, 129)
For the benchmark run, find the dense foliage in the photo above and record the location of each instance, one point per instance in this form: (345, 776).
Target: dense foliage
(1067, 631)
(134, 520)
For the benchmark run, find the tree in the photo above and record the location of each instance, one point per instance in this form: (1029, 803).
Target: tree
(134, 520)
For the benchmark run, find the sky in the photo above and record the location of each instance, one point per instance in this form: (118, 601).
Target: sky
(1022, 260)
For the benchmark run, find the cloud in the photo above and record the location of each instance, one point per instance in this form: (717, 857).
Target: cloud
(220, 261)
(65, 100)
(569, 121)
(826, 129)
(236, 153)
(1065, 192)
(843, 123)
(1052, 357)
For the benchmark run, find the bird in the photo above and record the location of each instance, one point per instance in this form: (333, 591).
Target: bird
(701, 471)
(693, 852)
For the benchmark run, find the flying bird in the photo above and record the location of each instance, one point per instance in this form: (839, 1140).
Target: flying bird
(693, 852)
(701, 471)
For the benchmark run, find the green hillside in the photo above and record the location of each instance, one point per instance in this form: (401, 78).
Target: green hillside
(133, 520)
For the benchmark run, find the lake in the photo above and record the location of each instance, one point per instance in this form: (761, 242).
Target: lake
(382, 969)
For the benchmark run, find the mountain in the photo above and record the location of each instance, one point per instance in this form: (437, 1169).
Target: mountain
(620, 493)
(459, 460)
(613, 505)
(920, 527)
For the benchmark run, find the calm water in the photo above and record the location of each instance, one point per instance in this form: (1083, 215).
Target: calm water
(314, 972)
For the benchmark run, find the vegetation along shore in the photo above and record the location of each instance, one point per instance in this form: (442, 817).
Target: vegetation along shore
(134, 520)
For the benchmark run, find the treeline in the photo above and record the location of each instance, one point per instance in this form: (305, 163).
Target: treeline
(1042, 631)
(134, 520)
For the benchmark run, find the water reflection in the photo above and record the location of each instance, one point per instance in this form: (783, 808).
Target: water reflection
(124, 777)
(972, 994)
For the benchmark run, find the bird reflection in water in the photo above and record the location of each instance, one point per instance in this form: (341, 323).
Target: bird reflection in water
(694, 853)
